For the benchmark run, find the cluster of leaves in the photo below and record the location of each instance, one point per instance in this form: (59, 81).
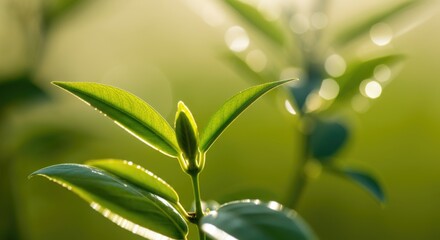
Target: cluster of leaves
(324, 135)
(139, 201)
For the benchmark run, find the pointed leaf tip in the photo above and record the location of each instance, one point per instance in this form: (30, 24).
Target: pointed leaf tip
(186, 132)
(129, 206)
(231, 109)
(129, 112)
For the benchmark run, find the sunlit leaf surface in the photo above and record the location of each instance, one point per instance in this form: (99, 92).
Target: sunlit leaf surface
(231, 109)
(364, 180)
(254, 17)
(187, 133)
(129, 112)
(137, 176)
(129, 206)
(327, 138)
(252, 219)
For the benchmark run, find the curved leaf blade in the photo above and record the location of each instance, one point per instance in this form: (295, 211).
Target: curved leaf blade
(231, 109)
(270, 29)
(358, 72)
(364, 180)
(327, 138)
(132, 208)
(252, 219)
(137, 176)
(362, 28)
(129, 112)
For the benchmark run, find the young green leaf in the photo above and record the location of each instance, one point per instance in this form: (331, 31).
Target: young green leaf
(327, 138)
(231, 109)
(362, 28)
(358, 72)
(132, 208)
(129, 112)
(186, 132)
(137, 176)
(270, 29)
(364, 180)
(252, 219)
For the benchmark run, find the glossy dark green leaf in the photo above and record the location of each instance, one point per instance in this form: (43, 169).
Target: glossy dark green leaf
(327, 138)
(231, 109)
(358, 72)
(270, 29)
(364, 180)
(252, 219)
(129, 206)
(362, 28)
(129, 112)
(137, 176)
(187, 133)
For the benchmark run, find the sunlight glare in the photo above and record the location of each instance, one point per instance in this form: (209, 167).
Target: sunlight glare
(381, 34)
(335, 65)
(372, 89)
(237, 39)
(216, 232)
(289, 107)
(329, 89)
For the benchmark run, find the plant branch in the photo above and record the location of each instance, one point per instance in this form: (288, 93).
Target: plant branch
(198, 203)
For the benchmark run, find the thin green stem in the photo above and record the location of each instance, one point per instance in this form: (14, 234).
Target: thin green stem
(299, 179)
(198, 202)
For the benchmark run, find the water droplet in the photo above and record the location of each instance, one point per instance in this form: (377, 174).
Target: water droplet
(329, 89)
(289, 107)
(237, 39)
(335, 65)
(381, 34)
(319, 20)
(370, 88)
(256, 59)
(382, 73)
(299, 23)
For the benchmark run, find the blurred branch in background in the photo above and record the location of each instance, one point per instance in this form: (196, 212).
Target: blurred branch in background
(18, 89)
(340, 70)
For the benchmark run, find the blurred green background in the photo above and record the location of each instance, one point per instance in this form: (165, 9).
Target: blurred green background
(164, 51)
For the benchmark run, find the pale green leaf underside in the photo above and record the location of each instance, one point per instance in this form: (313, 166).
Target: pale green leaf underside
(129, 112)
(231, 109)
(137, 176)
(252, 219)
(270, 29)
(127, 205)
